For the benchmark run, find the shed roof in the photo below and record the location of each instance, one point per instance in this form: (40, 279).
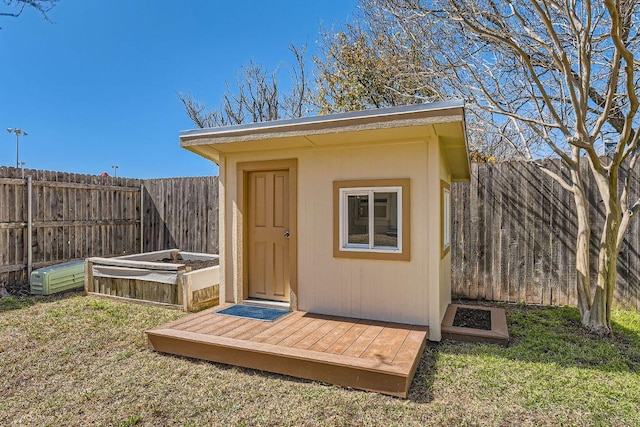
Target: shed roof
(443, 120)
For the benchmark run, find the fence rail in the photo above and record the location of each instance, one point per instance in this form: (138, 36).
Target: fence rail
(514, 233)
(78, 216)
(513, 228)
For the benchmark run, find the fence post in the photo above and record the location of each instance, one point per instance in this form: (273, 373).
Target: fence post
(29, 228)
(142, 218)
(88, 276)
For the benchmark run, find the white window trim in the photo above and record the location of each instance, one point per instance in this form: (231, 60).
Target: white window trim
(446, 240)
(344, 224)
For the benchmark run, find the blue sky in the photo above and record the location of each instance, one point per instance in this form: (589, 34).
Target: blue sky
(99, 86)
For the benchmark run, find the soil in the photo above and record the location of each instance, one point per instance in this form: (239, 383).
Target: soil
(472, 318)
(194, 264)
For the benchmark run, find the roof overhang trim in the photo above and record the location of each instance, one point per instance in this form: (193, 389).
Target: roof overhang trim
(392, 125)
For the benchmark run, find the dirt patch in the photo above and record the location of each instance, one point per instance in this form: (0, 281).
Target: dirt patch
(194, 264)
(472, 318)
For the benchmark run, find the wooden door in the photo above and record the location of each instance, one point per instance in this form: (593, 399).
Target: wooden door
(269, 272)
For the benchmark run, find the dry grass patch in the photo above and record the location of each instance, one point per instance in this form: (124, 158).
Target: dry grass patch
(79, 360)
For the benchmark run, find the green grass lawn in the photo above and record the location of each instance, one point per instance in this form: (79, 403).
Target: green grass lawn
(77, 360)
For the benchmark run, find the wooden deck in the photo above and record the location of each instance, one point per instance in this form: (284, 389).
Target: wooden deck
(363, 354)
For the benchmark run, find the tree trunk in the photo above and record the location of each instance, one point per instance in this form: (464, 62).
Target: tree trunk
(599, 320)
(583, 237)
(600, 315)
(595, 309)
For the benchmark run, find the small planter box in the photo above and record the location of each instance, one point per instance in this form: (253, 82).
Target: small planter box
(161, 278)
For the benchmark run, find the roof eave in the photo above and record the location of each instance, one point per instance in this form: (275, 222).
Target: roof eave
(414, 122)
(464, 175)
(326, 121)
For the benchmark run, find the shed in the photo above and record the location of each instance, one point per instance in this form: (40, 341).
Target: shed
(342, 214)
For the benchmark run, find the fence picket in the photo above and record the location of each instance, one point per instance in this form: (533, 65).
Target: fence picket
(513, 231)
(78, 216)
(530, 232)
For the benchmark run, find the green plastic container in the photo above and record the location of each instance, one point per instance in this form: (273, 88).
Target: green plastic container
(57, 278)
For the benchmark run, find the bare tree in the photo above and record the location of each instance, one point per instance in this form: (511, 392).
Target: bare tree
(15, 8)
(256, 97)
(379, 60)
(559, 77)
(297, 102)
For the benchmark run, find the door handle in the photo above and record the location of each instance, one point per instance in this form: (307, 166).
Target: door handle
(286, 234)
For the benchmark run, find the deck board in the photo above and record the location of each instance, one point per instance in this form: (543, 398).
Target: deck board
(225, 326)
(330, 339)
(302, 333)
(368, 355)
(360, 344)
(285, 333)
(413, 339)
(283, 324)
(209, 324)
(349, 336)
(312, 338)
(387, 344)
(247, 330)
(186, 320)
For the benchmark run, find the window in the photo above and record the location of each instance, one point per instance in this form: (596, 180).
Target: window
(371, 219)
(371, 229)
(445, 218)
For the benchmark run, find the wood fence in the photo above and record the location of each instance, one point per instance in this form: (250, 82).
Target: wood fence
(181, 213)
(514, 234)
(78, 216)
(72, 217)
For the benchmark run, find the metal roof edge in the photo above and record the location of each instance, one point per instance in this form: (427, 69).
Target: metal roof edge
(328, 118)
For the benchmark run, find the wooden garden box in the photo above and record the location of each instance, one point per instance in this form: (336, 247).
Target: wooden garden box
(149, 278)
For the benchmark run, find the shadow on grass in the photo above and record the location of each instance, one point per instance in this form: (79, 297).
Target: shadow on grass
(18, 303)
(554, 335)
(548, 335)
(421, 390)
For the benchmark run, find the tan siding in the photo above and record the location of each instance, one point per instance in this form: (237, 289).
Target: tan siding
(445, 262)
(432, 240)
(386, 290)
(382, 290)
(226, 240)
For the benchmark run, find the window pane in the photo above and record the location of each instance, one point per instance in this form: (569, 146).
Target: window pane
(381, 205)
(447, 218)
(358, 220)
(386, 220)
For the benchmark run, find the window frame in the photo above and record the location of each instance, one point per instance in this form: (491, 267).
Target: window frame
(445, 218)
(370, 192)
(344, 189)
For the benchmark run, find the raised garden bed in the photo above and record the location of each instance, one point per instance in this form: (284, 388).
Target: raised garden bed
(184, 280)
(475, 323)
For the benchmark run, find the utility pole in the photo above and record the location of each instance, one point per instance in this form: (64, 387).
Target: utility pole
(115, 170)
